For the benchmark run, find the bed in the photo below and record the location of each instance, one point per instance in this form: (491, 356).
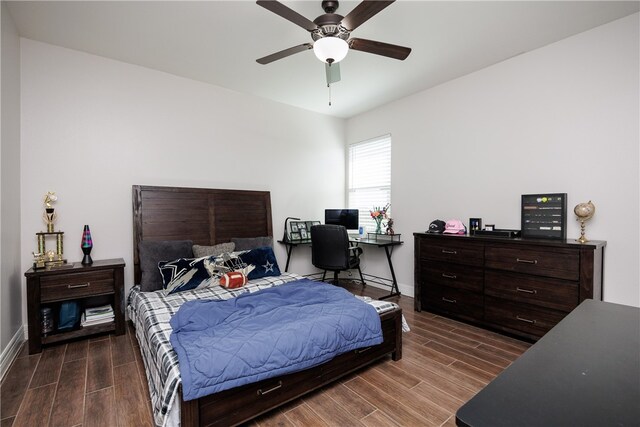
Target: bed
(207, 217)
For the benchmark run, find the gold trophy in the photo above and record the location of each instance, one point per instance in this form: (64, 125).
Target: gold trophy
(48, 258)
(49, 215)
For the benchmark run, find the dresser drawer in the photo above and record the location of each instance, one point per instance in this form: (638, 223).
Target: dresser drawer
(76, 285)
(542, 291)
(549, 262)
(452, 275)
(453, 301)
(532, 320)
(453, 250)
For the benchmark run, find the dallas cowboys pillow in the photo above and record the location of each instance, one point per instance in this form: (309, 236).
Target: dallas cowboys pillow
(185, 274)
(257, 263)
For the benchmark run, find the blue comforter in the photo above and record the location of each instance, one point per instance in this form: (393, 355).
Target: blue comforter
(275, 331)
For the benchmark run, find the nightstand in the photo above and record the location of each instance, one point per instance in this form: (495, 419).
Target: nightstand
(90, 285)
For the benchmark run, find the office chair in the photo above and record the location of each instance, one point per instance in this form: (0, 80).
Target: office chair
(331, 251)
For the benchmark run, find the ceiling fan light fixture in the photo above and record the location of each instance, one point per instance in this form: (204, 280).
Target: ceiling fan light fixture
(330, 49)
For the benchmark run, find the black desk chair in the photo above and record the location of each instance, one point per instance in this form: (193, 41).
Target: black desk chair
(330, 250)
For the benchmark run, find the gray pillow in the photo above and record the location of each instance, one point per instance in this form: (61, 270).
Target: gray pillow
(151, 252)
(248, 243)
(215, 250)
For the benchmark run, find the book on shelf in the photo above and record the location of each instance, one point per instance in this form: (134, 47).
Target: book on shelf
(97, 315)
(89, 322)
(98, 311)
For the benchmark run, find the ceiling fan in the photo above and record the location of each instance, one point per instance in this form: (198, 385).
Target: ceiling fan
(330, 33)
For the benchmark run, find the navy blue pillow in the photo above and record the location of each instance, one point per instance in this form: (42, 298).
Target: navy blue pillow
(263, 261)
(184, 274)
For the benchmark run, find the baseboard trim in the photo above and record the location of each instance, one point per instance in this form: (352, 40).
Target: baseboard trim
(405, 290)
(11, 351)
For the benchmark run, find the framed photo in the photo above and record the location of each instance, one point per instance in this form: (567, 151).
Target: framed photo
(301, 230)
(295, 235)
(544, 216)
(475, 224)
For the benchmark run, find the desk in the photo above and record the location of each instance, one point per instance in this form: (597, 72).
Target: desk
(388, 246)
(584, 372)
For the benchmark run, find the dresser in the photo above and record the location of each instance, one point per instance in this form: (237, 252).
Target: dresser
(523, 287)
(89, 285)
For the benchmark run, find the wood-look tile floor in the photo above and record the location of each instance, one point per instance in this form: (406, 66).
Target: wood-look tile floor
(101, 382)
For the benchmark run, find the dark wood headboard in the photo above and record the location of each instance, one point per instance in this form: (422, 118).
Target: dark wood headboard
(206, 216)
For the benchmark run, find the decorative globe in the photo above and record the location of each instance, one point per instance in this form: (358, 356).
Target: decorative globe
(584, 211)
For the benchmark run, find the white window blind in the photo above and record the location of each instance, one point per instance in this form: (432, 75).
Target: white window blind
(369, 177)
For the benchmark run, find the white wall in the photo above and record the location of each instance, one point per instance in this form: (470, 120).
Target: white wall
(10, 250)
(563, 118)
(93, 127)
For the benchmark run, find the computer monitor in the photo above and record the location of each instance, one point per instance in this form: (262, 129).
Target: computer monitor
(346, 217)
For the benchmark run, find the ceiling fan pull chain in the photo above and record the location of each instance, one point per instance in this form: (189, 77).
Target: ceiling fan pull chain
(329, 86)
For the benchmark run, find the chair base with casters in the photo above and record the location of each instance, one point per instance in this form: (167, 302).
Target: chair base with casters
(337, 272)
(331, 251)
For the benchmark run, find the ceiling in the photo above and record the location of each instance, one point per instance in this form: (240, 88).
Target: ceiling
(218, 42)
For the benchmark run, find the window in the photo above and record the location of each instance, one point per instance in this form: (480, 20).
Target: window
(369, 177)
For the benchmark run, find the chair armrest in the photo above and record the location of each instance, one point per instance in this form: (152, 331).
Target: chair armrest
(356, 249)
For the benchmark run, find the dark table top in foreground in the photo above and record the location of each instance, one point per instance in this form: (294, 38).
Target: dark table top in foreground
(584, 372)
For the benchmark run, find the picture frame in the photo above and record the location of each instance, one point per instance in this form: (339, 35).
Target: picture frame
(475, 224)
(311, 224)
(295, 235)
(301, 230)
(544, 216)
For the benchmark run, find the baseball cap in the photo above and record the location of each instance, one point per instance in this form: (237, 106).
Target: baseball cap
(436, 226)
(455, 226)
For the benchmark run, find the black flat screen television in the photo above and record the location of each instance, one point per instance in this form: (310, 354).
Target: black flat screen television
(346, 217)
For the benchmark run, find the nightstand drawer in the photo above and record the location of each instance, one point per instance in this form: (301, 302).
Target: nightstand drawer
(452, 275)
(76, 285)
(550, 262)
(545, 292)
(452, 249)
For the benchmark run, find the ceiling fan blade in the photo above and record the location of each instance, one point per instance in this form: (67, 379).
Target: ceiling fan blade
(284, 53)
(288, 14)
(380, 48)
(363, 12)
(333, 73)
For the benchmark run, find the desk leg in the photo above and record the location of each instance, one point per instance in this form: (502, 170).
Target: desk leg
(395, 291)
(289, 249)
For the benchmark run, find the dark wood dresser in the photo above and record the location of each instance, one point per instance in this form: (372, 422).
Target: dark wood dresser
(93, 285)
(520, 286)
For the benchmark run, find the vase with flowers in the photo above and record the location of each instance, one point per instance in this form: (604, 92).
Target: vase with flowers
(378, 214)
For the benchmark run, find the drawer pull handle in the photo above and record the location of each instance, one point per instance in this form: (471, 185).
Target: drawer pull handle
(274, 388)
(445, 251)
(522, 319)
(527, 261)
(526, 291)
(452, 301)
(362, 350)
(84, 285)
(449, 276)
